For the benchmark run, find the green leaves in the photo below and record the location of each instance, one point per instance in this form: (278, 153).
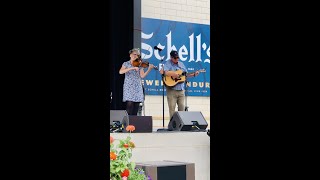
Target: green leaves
(122, 162)
(132, 165)
(137, 174)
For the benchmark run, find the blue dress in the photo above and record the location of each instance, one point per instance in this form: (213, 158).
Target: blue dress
(132, 86)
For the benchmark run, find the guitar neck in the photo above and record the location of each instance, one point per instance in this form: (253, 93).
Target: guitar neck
(201, 70)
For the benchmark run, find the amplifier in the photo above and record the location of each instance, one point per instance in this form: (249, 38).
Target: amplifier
(141, 123)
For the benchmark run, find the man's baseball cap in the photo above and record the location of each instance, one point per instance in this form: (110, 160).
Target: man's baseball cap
(174, 54)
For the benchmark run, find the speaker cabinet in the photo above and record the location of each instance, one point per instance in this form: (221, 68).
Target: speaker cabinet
(168, 170)
(187, 121)
(141, 123)
(119, 117)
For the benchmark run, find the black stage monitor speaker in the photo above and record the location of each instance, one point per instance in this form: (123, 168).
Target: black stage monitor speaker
(187, 121)
(119, 117)
(141, 123)
(168, 170)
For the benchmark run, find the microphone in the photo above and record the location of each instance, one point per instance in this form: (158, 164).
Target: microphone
(156, 47)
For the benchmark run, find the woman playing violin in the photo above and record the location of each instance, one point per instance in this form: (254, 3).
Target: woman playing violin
(132, 86)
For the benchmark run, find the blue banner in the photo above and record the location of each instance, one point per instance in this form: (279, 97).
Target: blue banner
(192, 41)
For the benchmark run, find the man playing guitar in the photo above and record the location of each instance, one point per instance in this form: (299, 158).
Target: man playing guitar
(175, 93)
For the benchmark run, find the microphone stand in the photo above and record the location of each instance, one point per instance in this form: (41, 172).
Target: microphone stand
(162, 76)
(186, 97)
(141, 105)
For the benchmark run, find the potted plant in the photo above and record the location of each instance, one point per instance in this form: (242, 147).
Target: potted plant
(121, 166)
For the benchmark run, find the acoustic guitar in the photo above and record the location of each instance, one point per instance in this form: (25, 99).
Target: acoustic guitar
(170, 81)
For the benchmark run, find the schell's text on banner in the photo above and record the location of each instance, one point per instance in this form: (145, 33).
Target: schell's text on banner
(192, 41)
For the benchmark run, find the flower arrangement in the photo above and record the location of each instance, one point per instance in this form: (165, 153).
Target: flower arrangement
(121, 167)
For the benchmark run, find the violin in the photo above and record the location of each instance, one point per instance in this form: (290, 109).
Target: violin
(139, 63)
